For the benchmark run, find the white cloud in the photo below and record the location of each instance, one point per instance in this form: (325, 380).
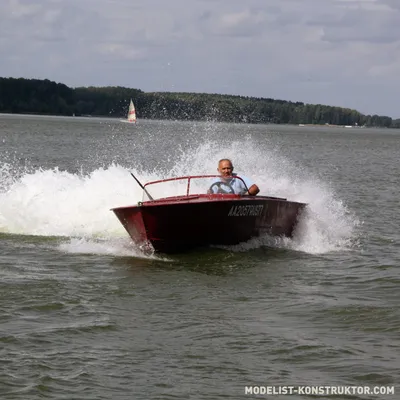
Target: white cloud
(20, 9)
(341, 52)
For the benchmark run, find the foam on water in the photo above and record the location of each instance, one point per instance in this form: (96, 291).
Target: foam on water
(77, 205)
(121, 247)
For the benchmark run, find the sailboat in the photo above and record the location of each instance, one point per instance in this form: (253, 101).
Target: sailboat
(131, 118)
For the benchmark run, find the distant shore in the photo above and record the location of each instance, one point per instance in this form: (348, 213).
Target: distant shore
(334, 126)
(44, 97)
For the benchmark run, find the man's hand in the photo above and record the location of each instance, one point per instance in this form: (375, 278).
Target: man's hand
(253, 190)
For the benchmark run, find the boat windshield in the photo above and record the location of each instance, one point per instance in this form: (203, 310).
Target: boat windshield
(185, 186)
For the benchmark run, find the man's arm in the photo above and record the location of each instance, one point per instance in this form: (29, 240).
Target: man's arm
(253, 190)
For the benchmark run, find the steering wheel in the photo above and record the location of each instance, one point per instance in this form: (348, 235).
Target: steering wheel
(222, 188)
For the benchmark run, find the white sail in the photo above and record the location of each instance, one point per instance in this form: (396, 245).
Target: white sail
(131, 112)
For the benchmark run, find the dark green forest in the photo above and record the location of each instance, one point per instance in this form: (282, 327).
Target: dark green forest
(34, 96)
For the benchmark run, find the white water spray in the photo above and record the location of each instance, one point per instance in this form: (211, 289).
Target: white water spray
(77, 205)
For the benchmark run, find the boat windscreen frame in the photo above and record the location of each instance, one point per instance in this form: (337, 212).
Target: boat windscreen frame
(189, 178)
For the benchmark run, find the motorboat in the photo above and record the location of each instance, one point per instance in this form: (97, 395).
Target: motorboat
(179, 214)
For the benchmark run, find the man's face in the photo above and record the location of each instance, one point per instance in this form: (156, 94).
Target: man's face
(225, 168)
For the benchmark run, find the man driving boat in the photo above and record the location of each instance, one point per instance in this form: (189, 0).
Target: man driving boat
(228, 183)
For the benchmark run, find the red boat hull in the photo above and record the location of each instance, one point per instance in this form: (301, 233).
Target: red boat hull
(181, 223)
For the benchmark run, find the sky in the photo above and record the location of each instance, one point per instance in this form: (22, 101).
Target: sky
(343, 53)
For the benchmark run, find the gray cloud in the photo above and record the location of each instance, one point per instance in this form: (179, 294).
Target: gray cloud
(380, 25)
(339, 52)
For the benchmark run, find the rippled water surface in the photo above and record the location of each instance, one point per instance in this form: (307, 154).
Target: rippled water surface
(86, 315)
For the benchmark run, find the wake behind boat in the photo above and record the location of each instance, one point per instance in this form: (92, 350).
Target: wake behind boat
(196, 218)
(131, 117)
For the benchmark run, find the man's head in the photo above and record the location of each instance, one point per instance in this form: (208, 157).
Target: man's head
(225, 167)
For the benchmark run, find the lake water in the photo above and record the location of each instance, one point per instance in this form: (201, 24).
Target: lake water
(84, 314)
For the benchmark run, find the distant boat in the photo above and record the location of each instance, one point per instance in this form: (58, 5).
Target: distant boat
(131, 118)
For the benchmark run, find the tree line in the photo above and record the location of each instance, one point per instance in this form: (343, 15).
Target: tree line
(47, 97)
